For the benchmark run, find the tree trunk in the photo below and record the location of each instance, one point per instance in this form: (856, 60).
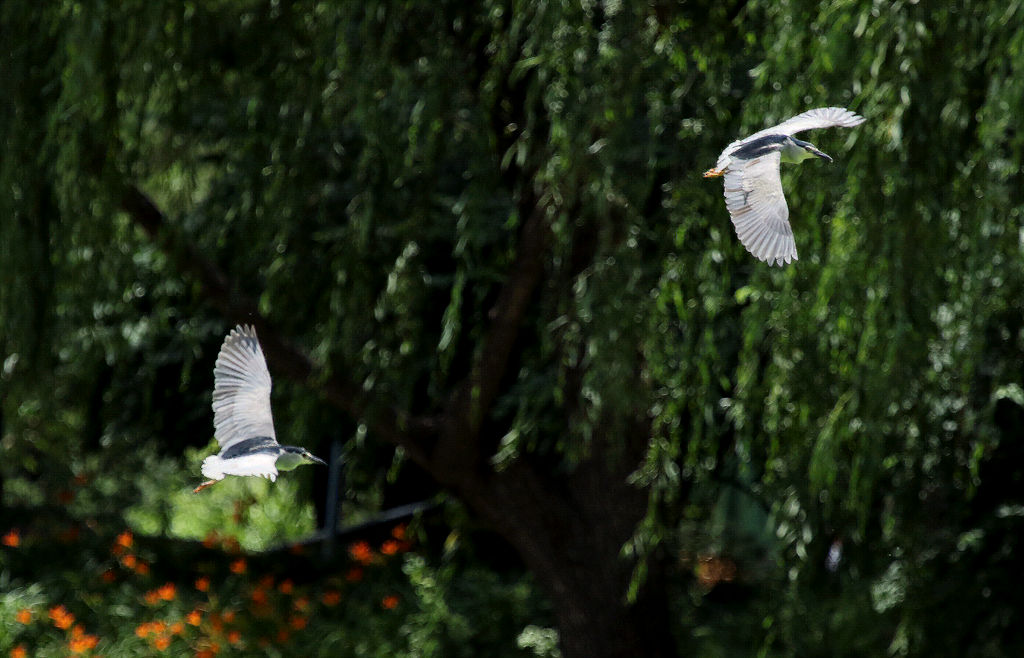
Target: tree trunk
(570, 533)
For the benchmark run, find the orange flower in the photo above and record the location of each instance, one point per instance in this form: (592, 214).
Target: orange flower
(109, 576)
(193, 618)
(238, 566)
(231, 545)
(177, 628)
(297, 622)
(361, 552)
(354, 575)
(152, 597)
(331, 598)
(282, 636)
(285, 587)
(302, 603)
(83, 643)
(64, 622)
(390, 547)
(19, 652)
(142, 568)
(12, 538)
(210, 540)
(398, 532)
(77, 631)
(234, 637)
(167, 592)
(203, 584)
(259, 596)
(129, 561)
(228, 616)
(389, 602)
(24, 616)
(161, 643)
(61, 617)
(124, 539)
(147, 628)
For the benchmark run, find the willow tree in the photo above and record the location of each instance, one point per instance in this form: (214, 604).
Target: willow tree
(479, 233)
(458, 212)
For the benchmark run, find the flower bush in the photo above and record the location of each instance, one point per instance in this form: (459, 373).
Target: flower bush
(91, 587)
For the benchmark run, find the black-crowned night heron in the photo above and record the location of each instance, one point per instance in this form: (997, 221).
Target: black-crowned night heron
(753, 188)
(242, 421)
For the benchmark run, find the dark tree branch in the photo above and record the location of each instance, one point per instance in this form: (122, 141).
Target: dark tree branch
(457, 452)
(456, 456)
(391, 424)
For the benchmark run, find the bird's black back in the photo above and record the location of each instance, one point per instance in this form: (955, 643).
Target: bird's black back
(760, 146)
(249, 446)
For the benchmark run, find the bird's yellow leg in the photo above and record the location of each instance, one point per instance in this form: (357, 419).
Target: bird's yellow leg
(713, 173)
(208, 483)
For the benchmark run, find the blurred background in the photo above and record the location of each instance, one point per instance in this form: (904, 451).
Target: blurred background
(475, 242)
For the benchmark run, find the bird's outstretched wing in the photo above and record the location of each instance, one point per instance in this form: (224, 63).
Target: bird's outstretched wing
(241, 390)
(757, 205)
(819, 117)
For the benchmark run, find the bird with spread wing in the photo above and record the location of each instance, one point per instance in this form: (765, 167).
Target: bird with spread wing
(753, 187)
(243, 424)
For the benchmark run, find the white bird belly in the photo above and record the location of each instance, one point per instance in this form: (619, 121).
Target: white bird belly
(260, 464)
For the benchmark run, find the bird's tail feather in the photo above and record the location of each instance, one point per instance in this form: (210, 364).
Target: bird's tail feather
(212, 468)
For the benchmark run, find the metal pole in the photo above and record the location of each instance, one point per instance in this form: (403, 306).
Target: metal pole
(332, 508)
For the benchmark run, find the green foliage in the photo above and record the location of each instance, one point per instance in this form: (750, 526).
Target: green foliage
(258, 514)
(862, 385)
(362, 170)
(131, 594)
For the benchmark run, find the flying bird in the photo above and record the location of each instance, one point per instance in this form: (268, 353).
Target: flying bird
(242, 421)
(753, 188)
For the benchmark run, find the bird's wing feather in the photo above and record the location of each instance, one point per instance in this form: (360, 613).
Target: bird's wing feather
(819, 117)
(757, 205)
(241, 390)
